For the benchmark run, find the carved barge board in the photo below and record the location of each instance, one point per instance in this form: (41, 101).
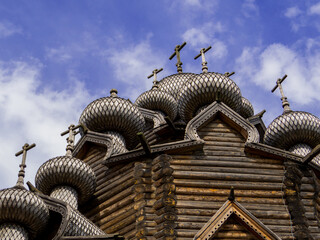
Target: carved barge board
(203, 182)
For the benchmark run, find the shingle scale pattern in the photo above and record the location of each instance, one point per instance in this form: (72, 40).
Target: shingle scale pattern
(246, 110)
(155, 99)
(23, 207)
(202, 90)
(69, 171)
(114, 114)
(292, 128)
(11, 231)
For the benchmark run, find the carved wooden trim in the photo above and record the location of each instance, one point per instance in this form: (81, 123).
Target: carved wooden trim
(233, 208)
(209, 113)
(158, 148)
(100, 139)
(154, 116)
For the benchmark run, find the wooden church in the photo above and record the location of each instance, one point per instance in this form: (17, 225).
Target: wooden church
(188, 160)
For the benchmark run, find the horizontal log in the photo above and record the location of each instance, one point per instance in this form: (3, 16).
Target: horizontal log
(222, 135)
(128, 232)
(276, 201)
(228, 158)
(222, 148)
(224, 153)
(119, 226)
(217, 205)
(106, 224)
(307, 187)
(226, 192)
(167, 171)
(222, 139)
(234, 169)
(100, 221)
(226, 176)
(225, 144)
(106, 209)
(184, 234)
(114, 182)
(228, 184)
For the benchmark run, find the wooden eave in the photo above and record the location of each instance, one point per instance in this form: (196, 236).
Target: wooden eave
(243, 216)
(169, 148)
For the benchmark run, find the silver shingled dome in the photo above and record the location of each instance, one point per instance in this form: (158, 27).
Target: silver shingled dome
(156, 99)
(172, 84)
(203, 90)
(114, 114)
(69, 171)
(246, 110)
(293, 128)
(19, 206)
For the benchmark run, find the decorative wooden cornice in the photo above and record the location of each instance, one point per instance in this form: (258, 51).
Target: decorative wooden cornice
(233, 209)
(209, 113)
(99, 139)
(172, 147)
(154, 116)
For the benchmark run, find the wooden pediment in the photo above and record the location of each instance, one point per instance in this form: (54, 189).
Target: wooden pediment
(233, 216)
(245, 128)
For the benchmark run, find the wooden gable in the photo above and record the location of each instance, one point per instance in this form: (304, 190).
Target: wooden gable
(233, 221)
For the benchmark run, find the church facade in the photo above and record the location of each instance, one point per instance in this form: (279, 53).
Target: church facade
(188, 160)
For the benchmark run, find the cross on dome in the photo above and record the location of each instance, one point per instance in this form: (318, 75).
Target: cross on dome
(177, 53)
(204, 63)
(285, 103)
(154, 74)
(71, 138)
(26, 147)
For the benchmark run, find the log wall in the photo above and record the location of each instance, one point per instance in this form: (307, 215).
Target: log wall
(112, 207)
(203, 182)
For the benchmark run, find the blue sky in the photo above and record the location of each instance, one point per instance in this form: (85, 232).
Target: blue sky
(58, 56)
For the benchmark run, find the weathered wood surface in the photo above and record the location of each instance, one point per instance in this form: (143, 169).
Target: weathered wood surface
(112, 206)
(203, 182)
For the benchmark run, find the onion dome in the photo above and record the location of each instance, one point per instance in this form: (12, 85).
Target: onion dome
(21, 209)
(246, 110)
(66, 171)
(293, 128)
(155, 99)
(295, 131)
(114, 114)
(172, 84)
(204, 89)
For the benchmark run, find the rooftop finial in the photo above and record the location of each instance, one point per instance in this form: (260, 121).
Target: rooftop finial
(227, 74)
(231, 195)
(204, 63)
(21, 174)
(71, 138)
(113, 92)
(285, 103)
(154, 74)
(177, 52)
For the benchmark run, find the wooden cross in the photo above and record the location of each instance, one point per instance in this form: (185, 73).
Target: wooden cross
(71, 138)
(285, 103)
(154, 74)
(177, 53)
(21, 174)
(204, 63)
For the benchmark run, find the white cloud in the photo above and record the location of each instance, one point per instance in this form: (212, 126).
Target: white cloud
(8, 29)
(31, 113)
(265, 66)
(315, 9)
(133, 63)
(292, 12)
(250, 9)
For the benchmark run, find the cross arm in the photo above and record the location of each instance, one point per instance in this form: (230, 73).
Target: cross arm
(156, 71)
(177, 49)
(203, 50)
(26, 147)
(279, 81)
